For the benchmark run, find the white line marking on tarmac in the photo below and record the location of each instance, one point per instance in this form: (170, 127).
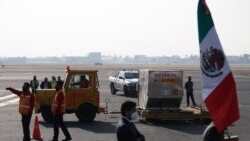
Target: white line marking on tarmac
(8, 96)
(244, 106)
(9, 102)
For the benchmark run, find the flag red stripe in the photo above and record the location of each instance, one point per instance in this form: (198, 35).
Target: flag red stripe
(222, 103)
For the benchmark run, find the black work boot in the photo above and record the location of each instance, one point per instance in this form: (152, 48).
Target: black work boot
(54, 139)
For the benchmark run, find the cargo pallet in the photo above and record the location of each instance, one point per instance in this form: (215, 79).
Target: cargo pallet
(189, 113)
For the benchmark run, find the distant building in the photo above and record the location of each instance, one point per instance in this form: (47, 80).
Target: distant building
(94, 57)
(107, 59)
(15, 60)
(74, 60)
(140, 58)
(234, 59)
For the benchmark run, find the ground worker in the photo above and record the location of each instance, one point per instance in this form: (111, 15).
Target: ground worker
(59, 80)
(26, 105)
(45, 84)
(58, 109)
(126, 130)
(34, 83)
(84, 82)
(53, 82)
(189, 91)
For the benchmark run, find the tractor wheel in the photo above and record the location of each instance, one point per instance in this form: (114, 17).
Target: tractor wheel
(86, 112)
(46, 114)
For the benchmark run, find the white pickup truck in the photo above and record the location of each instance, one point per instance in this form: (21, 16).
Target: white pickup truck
(125, 81)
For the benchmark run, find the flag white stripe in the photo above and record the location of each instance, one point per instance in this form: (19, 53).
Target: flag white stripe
(8, 96)
(209, 84)
(9, 102)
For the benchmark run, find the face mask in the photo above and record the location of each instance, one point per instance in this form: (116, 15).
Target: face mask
(134, 116)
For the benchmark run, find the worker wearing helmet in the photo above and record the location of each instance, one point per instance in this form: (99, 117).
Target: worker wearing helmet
(26, 106)
(58, 109)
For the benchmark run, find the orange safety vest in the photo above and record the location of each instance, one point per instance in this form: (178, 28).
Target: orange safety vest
(54, 103)
(24, 104)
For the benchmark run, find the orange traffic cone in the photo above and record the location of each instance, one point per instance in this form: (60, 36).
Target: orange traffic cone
(36, 131)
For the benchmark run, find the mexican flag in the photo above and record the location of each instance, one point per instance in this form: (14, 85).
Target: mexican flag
(218, 85)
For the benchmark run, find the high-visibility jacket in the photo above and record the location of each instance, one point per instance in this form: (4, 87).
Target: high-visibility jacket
(56, 102)
(24, 104)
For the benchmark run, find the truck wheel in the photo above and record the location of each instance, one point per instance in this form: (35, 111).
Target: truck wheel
(112, 88)
(46, 114)
(86, 113)
(125, 90)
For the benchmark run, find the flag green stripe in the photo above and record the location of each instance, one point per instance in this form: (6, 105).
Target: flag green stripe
(205, 22)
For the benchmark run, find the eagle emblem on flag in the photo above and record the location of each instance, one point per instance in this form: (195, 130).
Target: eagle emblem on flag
(212, 61)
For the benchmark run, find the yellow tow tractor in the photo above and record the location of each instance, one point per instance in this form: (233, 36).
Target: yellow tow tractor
(84, 100)
(160, 96)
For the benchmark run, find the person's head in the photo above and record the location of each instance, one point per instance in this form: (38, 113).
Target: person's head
(59, 78)
(26, 87)
(212, 134)
(45, 79)
(83, 77)
(58, 86)
(128, 109)
(34, 77)
(189, 78)
(53, 78)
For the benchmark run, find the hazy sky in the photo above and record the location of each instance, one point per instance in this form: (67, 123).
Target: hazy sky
(122, 27)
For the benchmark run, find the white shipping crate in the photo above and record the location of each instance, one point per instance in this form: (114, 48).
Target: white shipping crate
(159, 89)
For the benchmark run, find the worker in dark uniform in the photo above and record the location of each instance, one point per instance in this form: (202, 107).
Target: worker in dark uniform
(59, 80)
(126, 130)
(189, 91)
(26, 106)
(45, 84)
(58, 109)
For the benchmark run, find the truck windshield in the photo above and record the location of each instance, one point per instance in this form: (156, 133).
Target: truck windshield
(131, 75)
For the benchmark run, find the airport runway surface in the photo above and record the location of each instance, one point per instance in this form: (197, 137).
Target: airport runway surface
(104, 126)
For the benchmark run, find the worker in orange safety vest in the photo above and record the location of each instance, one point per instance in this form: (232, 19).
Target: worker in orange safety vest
(58, 109)
(26, 106)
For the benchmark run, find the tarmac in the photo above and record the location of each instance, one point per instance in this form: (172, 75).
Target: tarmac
(103, 128)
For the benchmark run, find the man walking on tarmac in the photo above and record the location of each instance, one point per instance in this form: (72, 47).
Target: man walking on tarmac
(58, 109)
(26, 105)
(189, 91)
